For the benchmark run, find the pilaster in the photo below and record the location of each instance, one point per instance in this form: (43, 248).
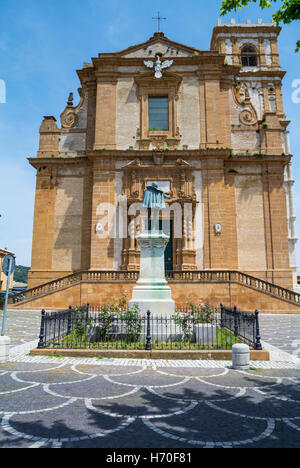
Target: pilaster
(105, 125)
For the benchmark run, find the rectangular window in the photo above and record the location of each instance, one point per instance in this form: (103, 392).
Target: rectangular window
(158, 113)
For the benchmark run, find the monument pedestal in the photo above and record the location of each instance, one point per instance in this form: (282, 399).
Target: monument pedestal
(152, 291)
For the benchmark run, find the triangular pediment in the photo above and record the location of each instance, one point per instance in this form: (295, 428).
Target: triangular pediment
(158, 44)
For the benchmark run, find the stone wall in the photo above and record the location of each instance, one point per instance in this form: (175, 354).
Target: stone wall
(68, 224)
(189, 113)
(128, 114)
(229, 295)
(250, 221)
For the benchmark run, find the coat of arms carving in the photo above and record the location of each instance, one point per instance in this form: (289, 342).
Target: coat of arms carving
(158, 65)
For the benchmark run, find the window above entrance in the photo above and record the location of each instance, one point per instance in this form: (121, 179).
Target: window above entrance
(158, 101)
(158, 113)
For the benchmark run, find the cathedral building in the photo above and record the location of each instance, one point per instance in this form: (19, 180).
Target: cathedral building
(209, 128)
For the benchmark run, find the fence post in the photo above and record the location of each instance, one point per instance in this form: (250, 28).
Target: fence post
(87, 311)
(148, 337)
(42, 343)
(222, 315)
(258, 345)
(236, 323)
(70, 320)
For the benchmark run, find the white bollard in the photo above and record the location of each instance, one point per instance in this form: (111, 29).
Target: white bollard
(4, 347)
(240, 356)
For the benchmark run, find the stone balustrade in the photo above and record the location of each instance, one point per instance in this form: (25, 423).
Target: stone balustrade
(201, 276)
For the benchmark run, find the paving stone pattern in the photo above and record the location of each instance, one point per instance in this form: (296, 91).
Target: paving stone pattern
(282, 331)
(126, 403)
(22, 326)
(63, 405)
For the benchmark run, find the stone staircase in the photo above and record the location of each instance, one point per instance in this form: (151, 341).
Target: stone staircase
(227, 286)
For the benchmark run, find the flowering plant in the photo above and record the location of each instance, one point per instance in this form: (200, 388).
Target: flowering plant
(114, 310)
(196, 313)
(202, 312)
(185, 321)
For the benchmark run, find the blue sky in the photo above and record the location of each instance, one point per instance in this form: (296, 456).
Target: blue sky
(41, 46)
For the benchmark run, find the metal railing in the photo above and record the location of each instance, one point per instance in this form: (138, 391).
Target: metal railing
(92, 327)
(243, 324)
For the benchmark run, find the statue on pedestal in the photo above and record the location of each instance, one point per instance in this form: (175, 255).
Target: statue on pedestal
(152, 291)
(154, 199)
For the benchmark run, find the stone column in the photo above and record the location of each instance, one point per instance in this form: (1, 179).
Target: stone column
(275, 54)
(279, 100)
(188, 253)
(131, 250)
(289, 183)
(262, 52)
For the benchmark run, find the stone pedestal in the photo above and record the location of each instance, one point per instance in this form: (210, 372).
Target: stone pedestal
(152, 291)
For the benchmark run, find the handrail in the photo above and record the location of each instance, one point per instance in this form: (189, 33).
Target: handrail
(197, 276)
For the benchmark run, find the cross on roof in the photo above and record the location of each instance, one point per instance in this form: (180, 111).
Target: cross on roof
(159, 18)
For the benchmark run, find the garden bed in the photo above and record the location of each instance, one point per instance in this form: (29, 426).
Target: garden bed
(115, 327)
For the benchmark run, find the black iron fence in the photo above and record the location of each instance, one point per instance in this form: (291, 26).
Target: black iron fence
(93, 327)
(243, 324)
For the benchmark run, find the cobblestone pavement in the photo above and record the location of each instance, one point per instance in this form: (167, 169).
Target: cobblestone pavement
(60, 404)
(282, 331)
(22, 326)
(111, 403)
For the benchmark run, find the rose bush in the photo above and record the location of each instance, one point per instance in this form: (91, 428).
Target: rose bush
(196, 313)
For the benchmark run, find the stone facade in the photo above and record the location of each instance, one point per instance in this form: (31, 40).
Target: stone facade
(225, 157)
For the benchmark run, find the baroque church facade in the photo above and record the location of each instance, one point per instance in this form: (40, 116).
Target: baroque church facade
(211, 129)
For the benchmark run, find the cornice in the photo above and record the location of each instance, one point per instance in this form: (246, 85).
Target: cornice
(255, 29)
(169, 156)
(73, 130)
(203, 57)
(38, 162)
(284, 160)
(148, 79)
(107, 66)
(223, 153)
(263, 73)
(157, 37)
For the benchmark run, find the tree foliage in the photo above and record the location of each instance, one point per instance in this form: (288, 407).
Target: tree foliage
(21, 274)
(288, 12)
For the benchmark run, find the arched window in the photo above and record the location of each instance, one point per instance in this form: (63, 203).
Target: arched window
(249, 56)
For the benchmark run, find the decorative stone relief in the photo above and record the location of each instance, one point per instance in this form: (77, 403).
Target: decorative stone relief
(69, 117)
(248, 115)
